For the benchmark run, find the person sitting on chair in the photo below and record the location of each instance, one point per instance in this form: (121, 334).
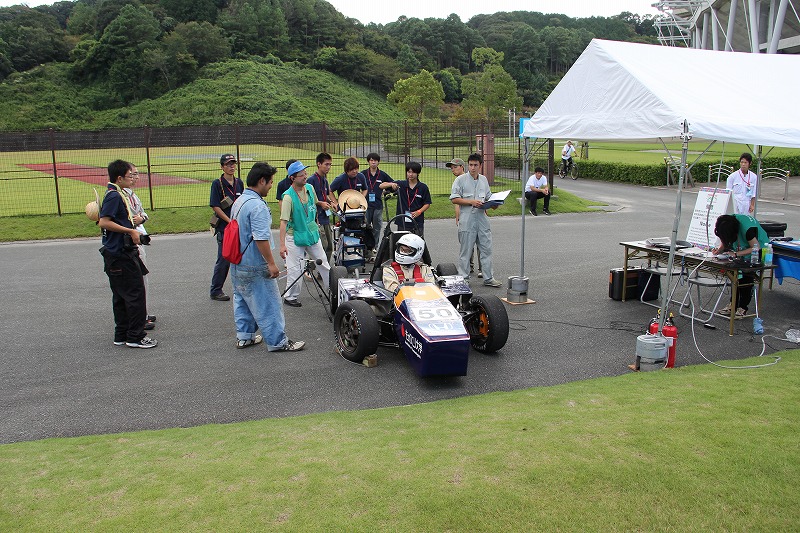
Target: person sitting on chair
(407, 264)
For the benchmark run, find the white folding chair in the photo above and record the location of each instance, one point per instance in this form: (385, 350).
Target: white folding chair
(718, 284)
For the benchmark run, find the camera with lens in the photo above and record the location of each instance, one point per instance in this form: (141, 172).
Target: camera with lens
(127, 241)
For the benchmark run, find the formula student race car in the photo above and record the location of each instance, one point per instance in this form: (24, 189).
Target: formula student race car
(434, 323)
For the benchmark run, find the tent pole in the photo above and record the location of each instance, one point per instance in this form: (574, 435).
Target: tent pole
(757, 150)
(673, 240)
(525, 169)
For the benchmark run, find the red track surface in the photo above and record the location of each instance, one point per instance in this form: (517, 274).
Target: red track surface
(99, 175)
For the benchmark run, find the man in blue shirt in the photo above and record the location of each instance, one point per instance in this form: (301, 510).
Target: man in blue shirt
(123, 266)
(374, 178)
(256, 298)
(325, 200)
(350, 178)
(413, 198)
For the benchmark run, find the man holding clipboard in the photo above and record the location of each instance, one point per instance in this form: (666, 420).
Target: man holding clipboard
(471, 193)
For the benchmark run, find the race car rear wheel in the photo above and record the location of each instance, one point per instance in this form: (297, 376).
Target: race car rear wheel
(336, 273)
(487, 323)
(356, 330)
(446, 269)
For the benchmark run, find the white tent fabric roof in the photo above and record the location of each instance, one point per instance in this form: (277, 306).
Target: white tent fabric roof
(627, 91)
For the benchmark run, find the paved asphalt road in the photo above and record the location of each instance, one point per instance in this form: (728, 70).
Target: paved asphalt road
(61, 375)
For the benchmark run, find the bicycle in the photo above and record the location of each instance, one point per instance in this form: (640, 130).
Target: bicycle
(568, 167)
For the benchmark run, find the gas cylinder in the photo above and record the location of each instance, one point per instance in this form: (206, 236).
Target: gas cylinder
(670, 330)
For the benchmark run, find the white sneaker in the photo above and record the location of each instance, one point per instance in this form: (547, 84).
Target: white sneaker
(146, 342)
(292, 346)
(244, 343)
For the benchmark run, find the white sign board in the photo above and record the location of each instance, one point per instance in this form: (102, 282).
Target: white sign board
(711, 203)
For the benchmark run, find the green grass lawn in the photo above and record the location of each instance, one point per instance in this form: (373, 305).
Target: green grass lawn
(698, 448)
(194, 219)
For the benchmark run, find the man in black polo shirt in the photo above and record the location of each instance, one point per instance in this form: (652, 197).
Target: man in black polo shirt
(224, 192)
(123, 266)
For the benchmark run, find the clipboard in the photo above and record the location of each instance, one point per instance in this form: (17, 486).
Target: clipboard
(496, 199)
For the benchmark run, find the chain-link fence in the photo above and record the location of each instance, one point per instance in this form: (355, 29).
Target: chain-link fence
(51, 172)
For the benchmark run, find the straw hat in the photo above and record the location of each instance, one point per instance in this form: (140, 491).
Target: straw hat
(352, 199)
(93, 208)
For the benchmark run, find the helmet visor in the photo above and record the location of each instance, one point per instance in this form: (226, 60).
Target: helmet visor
(406, 250)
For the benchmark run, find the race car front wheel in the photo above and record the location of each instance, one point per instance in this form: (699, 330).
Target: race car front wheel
(487, 323)
(337, 272)
(356, 330)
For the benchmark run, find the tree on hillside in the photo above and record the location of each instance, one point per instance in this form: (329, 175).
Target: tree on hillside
(5, 62)
(190, 10)
(490, 93)
(204, 41)
(407, 60)
(450, 78)
(483, 57)
(82, 20)
(119, 56)
(31, 37)
(255, 27)
(419, 97)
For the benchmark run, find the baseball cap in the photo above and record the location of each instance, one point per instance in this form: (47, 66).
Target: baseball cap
(227, 158)
(457, 162)
(296, 167)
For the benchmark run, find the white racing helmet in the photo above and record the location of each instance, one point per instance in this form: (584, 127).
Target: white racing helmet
(409, 249)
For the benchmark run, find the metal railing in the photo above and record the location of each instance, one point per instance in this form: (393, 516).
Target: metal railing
(54, 172)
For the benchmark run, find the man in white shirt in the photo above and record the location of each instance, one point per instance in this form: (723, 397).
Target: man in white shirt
(743, 185)
(536, 188)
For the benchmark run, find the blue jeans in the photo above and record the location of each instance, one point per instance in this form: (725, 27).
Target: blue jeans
(257, 304)
(220, 268)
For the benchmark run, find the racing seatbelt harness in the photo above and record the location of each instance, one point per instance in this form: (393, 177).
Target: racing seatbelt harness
(401, 278)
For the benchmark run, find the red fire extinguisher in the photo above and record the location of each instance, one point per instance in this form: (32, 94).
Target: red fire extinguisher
(652, 327)
(670, 330)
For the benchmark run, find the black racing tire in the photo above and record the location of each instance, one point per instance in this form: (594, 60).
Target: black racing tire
(446, 269)
(573, 172)
(488, 324)
(337, 272)
(356, 330)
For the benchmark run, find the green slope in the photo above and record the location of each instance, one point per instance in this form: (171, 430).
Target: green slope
(234, 91)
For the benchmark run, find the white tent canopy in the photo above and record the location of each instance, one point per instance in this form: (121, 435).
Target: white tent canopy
(627, 91)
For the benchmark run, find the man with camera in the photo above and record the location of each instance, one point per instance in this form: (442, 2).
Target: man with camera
(139, 218)
(224, 191)
(123, 266)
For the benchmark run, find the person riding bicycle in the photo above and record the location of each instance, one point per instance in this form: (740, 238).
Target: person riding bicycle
(566, 157)
(407, 264)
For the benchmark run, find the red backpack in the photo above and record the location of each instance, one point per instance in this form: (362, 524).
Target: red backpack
(230, 240)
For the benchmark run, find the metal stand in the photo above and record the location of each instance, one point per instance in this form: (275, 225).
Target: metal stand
(310, 269)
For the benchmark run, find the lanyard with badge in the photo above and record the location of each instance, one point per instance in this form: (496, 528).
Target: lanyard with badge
(371, 187)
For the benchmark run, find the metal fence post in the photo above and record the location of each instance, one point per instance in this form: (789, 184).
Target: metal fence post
(238, 153)
(55, 169)
(406, 147)
(325, 137)
(149, 172)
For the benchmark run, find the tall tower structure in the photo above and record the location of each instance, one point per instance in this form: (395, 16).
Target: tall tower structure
(757, 26)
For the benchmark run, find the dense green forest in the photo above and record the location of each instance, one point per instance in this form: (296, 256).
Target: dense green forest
(90, 63)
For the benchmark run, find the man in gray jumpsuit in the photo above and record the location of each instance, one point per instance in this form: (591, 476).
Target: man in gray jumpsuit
(469, 192)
